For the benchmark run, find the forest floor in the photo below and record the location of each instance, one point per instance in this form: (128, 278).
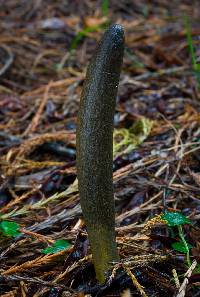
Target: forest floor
(45, 47)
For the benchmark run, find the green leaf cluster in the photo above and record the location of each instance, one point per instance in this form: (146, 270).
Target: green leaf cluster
(177, 219)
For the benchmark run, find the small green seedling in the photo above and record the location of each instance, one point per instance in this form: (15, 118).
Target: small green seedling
(81, 34)
(84, 32)
(176, 219)
(59, 245)
(9, 229)
(195, 65)
(105, 7)
(76, 40)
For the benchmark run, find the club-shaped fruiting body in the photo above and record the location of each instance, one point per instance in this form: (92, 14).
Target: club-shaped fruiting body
(95, 147)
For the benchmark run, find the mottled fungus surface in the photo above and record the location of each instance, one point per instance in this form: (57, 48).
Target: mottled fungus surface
(95, 148)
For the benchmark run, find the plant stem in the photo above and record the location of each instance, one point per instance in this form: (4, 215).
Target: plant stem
(180, 232)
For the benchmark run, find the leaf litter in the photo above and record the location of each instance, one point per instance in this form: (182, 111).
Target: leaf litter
(44, 50)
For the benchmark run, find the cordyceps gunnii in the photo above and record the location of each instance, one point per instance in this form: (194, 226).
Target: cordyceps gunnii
(95, 148)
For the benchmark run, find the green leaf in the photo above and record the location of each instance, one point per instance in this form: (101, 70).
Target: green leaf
(10, 229)
(59, 245)
(197, 67)
(180, 247)
(175, 219)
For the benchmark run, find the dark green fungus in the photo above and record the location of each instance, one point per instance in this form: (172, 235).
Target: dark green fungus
(95, 148)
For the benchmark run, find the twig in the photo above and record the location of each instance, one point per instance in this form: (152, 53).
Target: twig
(9, 60)
(161, 72)
(35, 121)
(182, 290)
(176, 280)
(40, 261)
(34, 280)
(135, 281)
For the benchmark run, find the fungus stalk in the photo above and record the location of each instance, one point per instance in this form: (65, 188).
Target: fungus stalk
(95, 148)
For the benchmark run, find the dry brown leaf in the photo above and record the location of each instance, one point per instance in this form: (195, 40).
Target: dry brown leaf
(92, 21)
(126, 293)
(195, 176)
